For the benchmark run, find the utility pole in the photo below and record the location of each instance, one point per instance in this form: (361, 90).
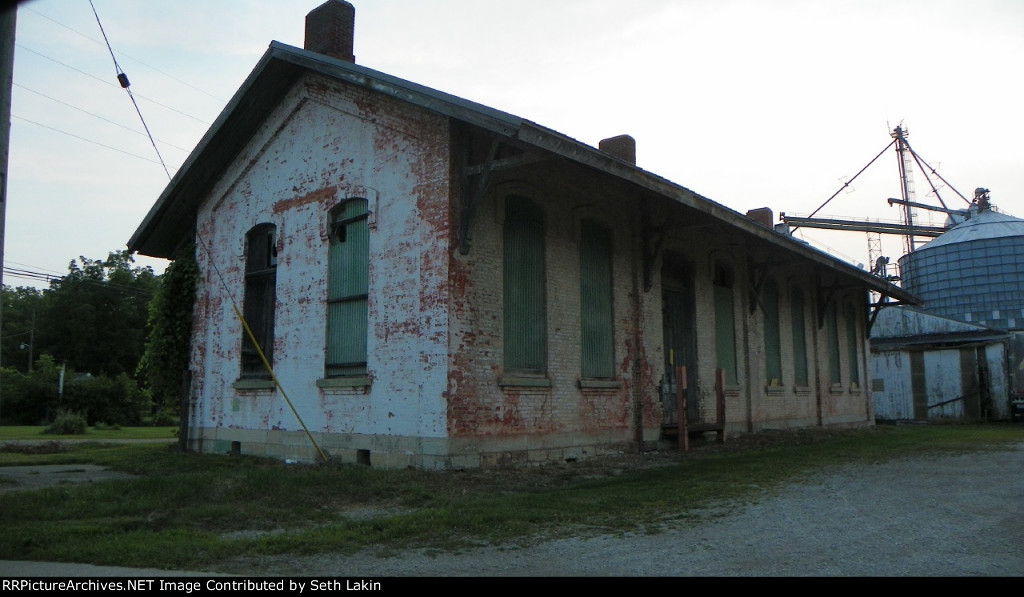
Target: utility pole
(8, 20)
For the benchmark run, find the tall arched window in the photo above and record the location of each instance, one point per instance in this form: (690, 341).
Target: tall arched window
(525, 326)
(832, 325)
(596, 319)
(796, 306)
(851, 343)
(259, 301)
(348, 290)
(772, 334)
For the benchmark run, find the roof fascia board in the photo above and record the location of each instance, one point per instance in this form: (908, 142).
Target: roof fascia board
(190, 174)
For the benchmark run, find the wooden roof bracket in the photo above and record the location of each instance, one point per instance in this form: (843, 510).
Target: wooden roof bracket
(471, 199)
(472, 195)
(826, 296)
(757, 275)
(651, 239)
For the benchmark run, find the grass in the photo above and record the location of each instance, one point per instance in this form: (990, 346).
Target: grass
(8, 433)
(192, 511)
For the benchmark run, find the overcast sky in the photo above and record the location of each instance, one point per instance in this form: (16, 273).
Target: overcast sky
(751, 103)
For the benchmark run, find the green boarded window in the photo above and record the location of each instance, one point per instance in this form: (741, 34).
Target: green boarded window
(725, 323)
(348, 264)
(851, 342)
(260, 298)
(772, 334)
(598, 357)
(833, 345)
(523, 278)
(796, 305)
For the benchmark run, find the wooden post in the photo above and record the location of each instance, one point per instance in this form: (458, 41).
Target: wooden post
(681, 422)
(720, 403)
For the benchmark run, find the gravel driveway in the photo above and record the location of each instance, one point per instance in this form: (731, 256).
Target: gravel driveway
(934, 516)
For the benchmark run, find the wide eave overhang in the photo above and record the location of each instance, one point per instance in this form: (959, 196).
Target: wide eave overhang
(170, 223)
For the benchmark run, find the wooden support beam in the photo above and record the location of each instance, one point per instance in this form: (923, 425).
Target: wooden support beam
(470, 205)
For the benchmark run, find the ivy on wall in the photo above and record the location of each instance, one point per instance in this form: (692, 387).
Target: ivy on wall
(170, 319)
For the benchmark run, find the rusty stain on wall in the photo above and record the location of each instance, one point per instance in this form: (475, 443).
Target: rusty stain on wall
(320, 196)
(436, 376)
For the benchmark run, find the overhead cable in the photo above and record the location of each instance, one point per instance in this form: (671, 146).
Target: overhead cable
(134, 155)
(169, 76)
(122, 78)
(105, 82)
(847, 183)
(117, 124)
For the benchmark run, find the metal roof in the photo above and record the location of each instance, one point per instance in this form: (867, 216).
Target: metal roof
(983, 225)
(172, 217)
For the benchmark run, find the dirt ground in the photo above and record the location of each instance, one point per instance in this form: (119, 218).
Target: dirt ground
(948, 515)
(14, 478)
(507, 478)
(934, 516)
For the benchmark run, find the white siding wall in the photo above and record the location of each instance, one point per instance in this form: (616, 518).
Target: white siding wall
(321, 147)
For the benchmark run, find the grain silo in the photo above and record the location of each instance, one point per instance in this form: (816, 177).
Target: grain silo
(974, 272)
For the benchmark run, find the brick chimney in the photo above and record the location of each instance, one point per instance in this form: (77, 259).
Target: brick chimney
(622, 147)
(763, 216)
(330, 30)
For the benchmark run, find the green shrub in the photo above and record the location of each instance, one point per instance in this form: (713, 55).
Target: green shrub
(164, 417)
(67, 423)
(112, 400)
(28, 397)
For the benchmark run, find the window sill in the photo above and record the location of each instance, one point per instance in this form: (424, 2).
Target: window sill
(837, 388)
(599, 384)
(253, 385)
(802, 390)
(524, 382)
(774, 390)
(336, 383)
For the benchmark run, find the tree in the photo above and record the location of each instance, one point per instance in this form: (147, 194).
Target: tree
(170, 330)
(22, 308)
(96, 315)
(92, 324)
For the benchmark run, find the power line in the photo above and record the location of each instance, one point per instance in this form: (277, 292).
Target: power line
(86, 140)
(123, 79)
(105, 82)
(33, 275)
(53, 271)
(28, 275)
(96, 41)
(73, 107)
